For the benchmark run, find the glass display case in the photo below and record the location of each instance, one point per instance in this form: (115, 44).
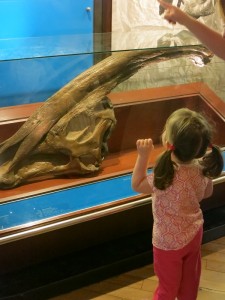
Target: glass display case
(46, 218)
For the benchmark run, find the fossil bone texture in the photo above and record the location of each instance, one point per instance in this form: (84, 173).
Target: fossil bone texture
(69, 132)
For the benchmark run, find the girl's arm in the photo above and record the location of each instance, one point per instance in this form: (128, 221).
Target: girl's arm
(210, 38)
(139, 177)
(209, 189)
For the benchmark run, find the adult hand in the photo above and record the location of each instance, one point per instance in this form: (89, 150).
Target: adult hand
(172, 13)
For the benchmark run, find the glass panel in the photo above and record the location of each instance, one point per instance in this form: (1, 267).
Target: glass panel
(77, 44)
(37, 67)
(56, 204)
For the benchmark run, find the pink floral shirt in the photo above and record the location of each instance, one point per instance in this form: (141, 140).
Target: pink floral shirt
(176, 210)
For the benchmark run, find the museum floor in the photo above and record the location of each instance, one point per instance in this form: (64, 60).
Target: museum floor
(140, 283)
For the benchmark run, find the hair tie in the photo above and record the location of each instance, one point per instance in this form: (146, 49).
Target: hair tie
(171, 147)
(210, 146)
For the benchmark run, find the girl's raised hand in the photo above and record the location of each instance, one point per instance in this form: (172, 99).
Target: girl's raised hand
(144, 146)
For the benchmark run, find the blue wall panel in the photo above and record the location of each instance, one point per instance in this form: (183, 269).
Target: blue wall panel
(29, 18)
(38, 40)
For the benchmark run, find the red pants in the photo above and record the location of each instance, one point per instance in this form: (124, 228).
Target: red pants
(178, 271)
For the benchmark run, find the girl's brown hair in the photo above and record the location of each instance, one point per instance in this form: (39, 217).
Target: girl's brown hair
(190, 134)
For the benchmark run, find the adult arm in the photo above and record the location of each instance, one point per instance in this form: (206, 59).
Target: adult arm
(210, 38)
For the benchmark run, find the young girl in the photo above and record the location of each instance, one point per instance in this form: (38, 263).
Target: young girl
(181, 178)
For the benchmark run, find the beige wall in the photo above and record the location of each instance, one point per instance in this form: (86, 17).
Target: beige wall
(137, 24)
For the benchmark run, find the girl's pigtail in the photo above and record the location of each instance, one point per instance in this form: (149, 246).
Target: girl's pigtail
(213, 162)
(164, 171)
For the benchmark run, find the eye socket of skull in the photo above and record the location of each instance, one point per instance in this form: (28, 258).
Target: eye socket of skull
(105, 149)
(106, 103)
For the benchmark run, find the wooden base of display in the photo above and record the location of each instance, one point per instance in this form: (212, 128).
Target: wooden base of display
(140, 114)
